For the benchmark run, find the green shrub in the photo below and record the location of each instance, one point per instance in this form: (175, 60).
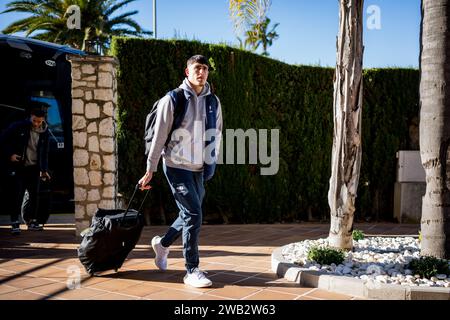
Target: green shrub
(326, 256)
(428, 267)
(358, 235)
(420, 236)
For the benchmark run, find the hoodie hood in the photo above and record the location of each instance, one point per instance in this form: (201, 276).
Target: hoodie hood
(186, 85)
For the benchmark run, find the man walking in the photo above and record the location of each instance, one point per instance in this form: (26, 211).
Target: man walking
(186, 163)
(25, 149)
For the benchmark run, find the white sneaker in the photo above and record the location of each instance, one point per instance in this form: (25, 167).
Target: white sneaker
(197, 279)
(161, 253)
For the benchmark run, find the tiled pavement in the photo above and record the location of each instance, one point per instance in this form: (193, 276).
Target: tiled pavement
(43, 265)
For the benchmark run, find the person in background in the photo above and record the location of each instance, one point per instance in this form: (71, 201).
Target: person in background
(25, 151)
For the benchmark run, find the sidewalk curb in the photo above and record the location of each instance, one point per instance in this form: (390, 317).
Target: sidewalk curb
(352, 286)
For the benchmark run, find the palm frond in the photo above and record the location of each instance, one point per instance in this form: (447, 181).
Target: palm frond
(122, 17)
(48, 20)
(116, 6)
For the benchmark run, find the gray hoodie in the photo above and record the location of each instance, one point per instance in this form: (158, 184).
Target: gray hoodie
(186, 146)
(31, 154)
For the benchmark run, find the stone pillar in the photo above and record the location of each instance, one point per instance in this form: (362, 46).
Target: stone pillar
(94, 99)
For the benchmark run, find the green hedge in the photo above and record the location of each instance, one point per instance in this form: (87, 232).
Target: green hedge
(390, 118)
(261, 93)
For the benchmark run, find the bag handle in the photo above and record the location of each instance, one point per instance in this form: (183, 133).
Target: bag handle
(131, 200)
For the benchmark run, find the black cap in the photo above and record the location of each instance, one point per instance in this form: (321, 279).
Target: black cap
(38, 108)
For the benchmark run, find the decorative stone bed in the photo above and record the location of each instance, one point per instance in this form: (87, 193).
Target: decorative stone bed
(376, 268)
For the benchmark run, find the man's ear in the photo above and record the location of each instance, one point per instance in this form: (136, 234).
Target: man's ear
(186, 71)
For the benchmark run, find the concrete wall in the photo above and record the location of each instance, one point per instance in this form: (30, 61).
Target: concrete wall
(409, 188)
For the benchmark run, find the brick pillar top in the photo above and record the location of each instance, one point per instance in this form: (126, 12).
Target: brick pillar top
(92, 59)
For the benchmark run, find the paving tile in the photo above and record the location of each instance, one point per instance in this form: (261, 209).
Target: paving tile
(131, 262)
(254, 282)
(296, 289)
(27, 282)
(146, 265)
(271, 295)
(269, 275)
(215, 285)
(215, 259)
(49, 289)
(8, 263)
(60, 276)
(86, 280)
(144, 274)
(113, 285)
(210, 297)
(180, 266)
(216, 266)
(237, 261)
(244, 271)
(173, 294)
(20, 268)
(40, 260)
(227, 278)
(48, 271)
(326, 295)
(113, 296)
(176, 282)
(141, 290)
(20, 295)
(261, 264)
(68, 263)
(6, 273)
(306, 298)
(7, 289)
(233, 292)
(79, 294)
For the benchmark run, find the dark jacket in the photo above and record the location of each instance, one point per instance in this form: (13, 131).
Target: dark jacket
(14, 140)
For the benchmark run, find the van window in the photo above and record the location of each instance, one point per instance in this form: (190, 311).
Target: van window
(54, 121)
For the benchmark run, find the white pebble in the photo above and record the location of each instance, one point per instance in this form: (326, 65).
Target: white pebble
(346, 270)
(381, 259)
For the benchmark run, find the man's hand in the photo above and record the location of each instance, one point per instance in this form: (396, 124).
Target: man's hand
(144, 181)
(44, 175)
(15, 158)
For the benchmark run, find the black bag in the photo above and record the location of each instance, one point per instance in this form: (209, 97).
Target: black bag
(110, 238)
(180, 107)
(44, 201)
(41, 209)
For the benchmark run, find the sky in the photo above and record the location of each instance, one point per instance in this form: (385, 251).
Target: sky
(307, 28)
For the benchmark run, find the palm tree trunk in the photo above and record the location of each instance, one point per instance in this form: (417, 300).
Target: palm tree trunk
(346, 154)
(435, 126)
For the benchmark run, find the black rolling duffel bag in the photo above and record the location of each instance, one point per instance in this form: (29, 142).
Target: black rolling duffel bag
(41, 209)
(111, 237)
